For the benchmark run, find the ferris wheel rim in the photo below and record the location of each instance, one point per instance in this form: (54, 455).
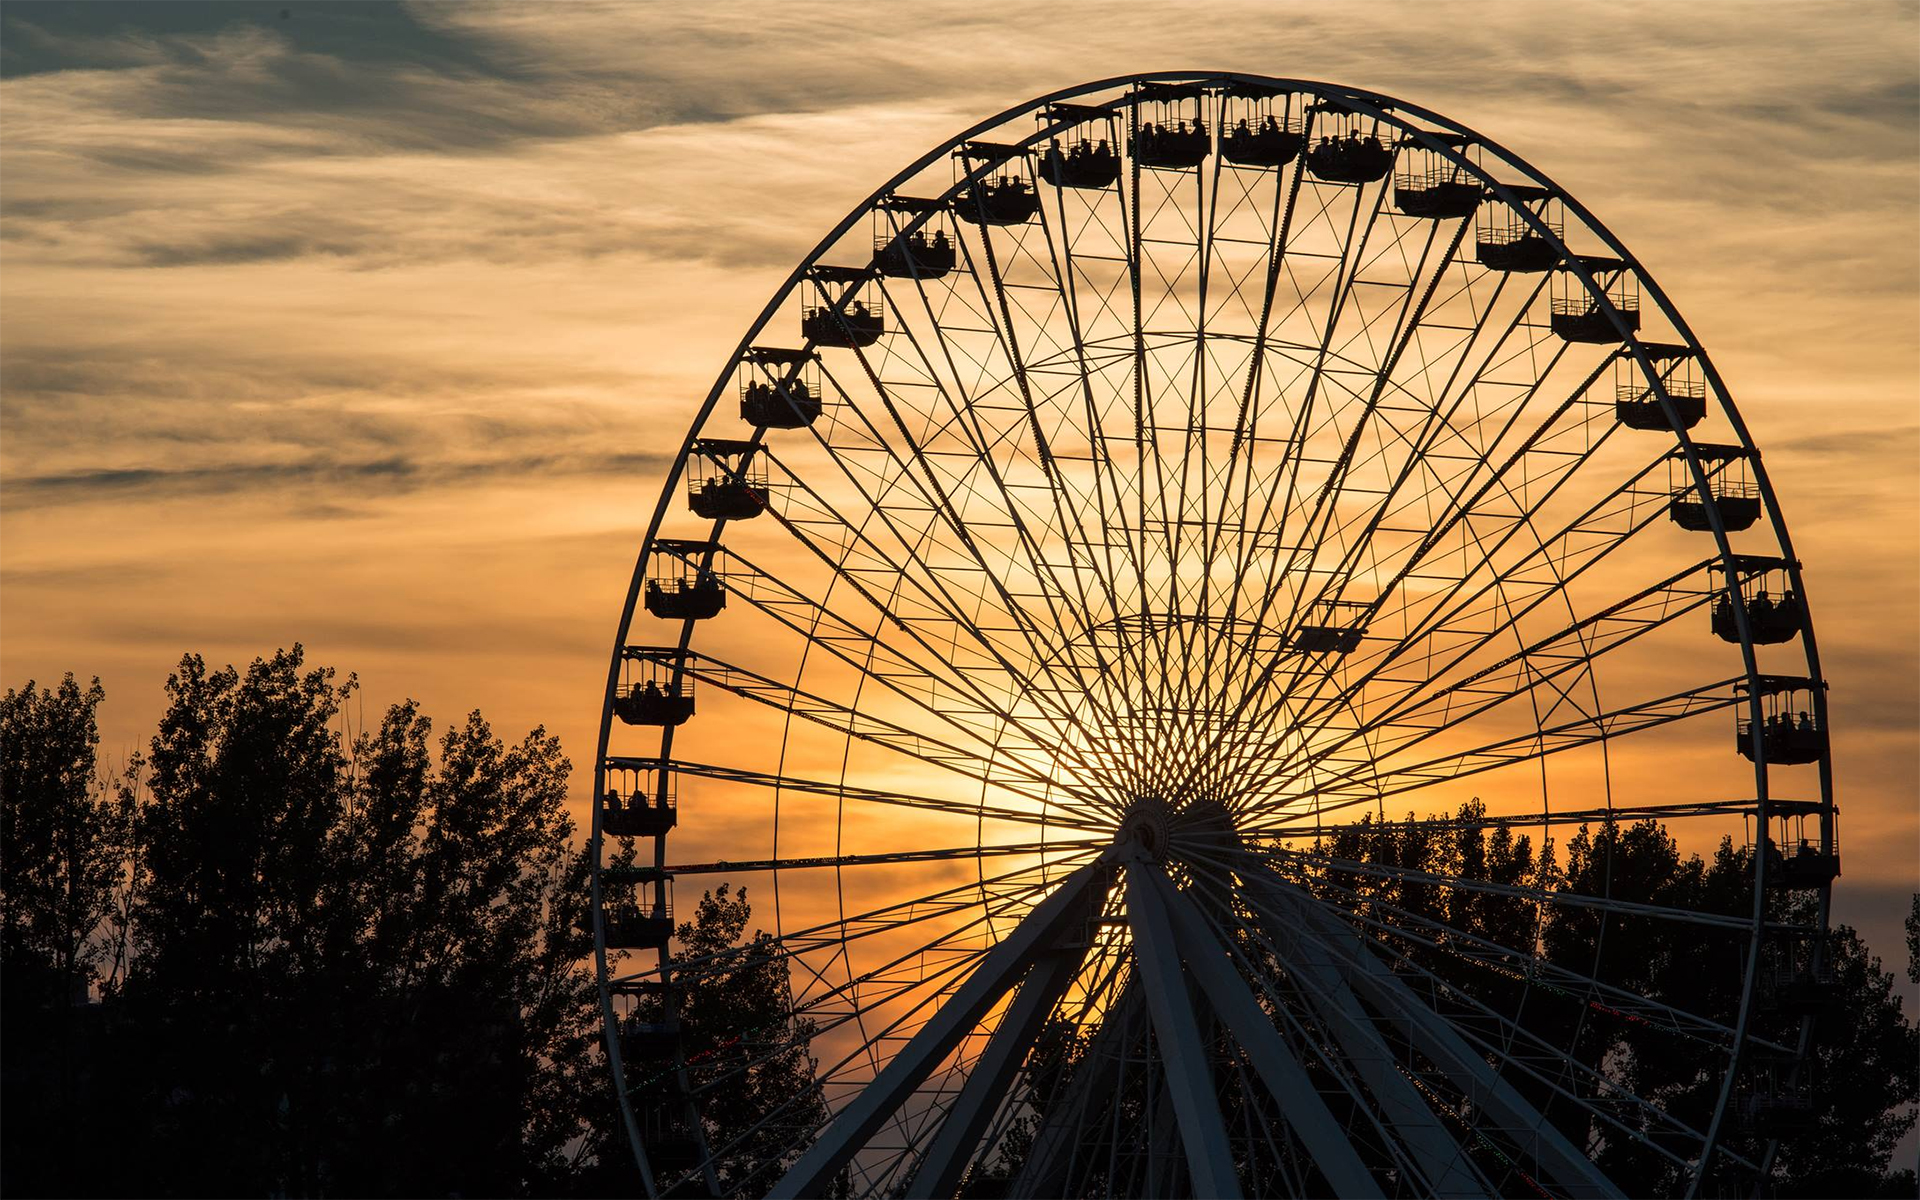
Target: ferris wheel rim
(1383, 108)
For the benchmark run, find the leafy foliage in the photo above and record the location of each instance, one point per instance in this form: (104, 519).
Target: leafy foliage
(355, 964)
(64, 838)
(355, 969)
(743, 1048)
(1861, 1078)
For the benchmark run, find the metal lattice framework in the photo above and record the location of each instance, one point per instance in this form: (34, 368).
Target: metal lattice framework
(1139, 503)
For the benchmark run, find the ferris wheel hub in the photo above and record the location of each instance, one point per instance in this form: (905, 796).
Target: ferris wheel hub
(1145, 826)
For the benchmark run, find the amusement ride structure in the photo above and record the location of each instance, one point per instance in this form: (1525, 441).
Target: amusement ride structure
(1099, 546)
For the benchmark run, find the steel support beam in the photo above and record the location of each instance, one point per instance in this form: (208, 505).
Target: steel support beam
(1438, 1153)
(939, 1172)
(1002, 967)
(1313, 1124)
(1056, 1143)
(1558, 1159)
(1182, 1052)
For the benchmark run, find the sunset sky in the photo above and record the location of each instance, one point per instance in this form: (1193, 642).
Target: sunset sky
(374, 327)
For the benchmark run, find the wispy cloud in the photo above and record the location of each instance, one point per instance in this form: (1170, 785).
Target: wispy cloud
(376, 325)
(365, 479)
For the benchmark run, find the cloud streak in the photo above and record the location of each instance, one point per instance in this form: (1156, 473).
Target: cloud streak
(364, 479)
(377, 325)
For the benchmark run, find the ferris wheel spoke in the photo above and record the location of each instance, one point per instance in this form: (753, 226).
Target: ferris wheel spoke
(927, 971)
(1462, 1055)
(1330, 775)
(1041, 650)
(907, 1067)
(1049, 813)
(995, 769)
(1588, 638)
(1061, 496)
(1005, 329)
(1290, 559)
(1173, 314)
(1214, 639)
(1605, 1093)
(1104, 483)
(1344, 277)
(1504, 592)
(1437, 422)
(949, 697)
(1507, 589)
(1356, 536)
(1419, 715)
(926, 481)
(945, 608)
(1406, 326)
(1010, 889)
(1678, 810)
(1537, 895)
(896, 858)
(1435, 936)
(1440, 412)
(1247, 416)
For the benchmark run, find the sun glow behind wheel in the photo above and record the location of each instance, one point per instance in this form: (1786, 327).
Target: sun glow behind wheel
(1134, 495)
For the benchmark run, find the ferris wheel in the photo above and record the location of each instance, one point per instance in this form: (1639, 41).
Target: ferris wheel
(1123, 537)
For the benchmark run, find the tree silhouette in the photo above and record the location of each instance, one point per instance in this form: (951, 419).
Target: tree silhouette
(275, 957)
(1861, 1074)
(64, 838)
(355, 969)
(743, 1049)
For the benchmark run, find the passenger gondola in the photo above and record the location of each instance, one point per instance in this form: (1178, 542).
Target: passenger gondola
(1007, 200)
(1353, 158)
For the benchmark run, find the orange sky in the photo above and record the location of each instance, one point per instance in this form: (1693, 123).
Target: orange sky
(369, 327)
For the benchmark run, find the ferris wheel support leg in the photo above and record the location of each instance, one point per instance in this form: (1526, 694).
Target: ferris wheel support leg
(1047, 980)
(1057, 1142)
(1300, 1104)
(1558, 1158)
(1203, 1134)
(997, 972)
(1439, 1155)
(1163, 1152)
